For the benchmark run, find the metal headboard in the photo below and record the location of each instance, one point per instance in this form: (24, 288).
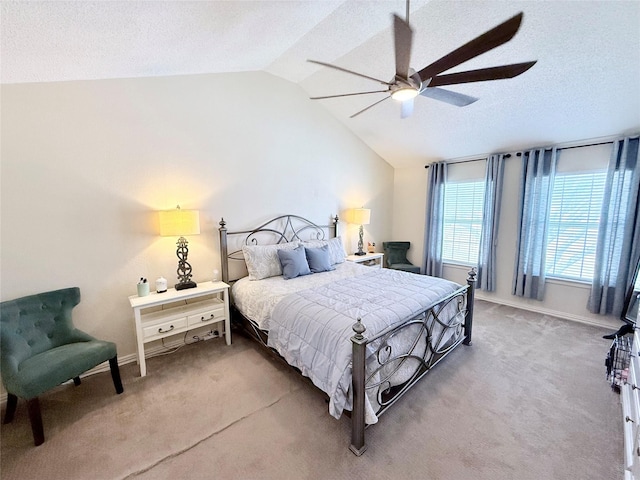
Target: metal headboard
(282, 229)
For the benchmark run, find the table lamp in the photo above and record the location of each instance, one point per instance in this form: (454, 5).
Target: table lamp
(179, 223)
(360, 216)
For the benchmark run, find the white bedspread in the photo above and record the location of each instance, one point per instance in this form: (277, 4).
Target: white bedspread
(312, 328)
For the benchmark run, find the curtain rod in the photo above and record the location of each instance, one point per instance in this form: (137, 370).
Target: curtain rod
(586, 145)
(519, 154)
(508, 155)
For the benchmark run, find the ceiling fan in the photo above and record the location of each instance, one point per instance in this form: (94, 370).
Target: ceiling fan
(408, 84)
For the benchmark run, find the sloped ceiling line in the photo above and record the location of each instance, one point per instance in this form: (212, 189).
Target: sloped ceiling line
(586, 83)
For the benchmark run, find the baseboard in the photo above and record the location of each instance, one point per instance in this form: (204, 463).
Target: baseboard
(546, 311)
(131, 358)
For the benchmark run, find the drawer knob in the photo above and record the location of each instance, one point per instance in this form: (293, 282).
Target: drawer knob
(205, 319)
(165, 331)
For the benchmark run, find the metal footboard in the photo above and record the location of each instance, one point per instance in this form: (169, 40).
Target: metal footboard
(433, 334)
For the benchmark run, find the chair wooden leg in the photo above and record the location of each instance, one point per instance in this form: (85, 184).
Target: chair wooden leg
(36, 421)
(12, 402)
(115, 374)
(76, 381)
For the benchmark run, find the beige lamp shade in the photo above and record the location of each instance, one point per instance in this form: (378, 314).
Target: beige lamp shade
(359, 216)
(178, 223)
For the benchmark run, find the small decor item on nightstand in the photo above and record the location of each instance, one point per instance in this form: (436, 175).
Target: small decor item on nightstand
(161, 285)
(371, 247)
(180, 223)
(143, 287)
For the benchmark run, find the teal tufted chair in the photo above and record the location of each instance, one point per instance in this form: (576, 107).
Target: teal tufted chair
(395, 256)
(40, 349)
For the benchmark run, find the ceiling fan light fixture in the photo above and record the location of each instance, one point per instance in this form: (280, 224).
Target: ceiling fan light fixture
(404, 93)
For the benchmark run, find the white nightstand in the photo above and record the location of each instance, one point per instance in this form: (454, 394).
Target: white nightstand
(368, 259)
(160, 315)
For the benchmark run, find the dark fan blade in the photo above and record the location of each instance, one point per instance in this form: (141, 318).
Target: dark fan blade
(407, 108)
(447, 96)
(402, 36)
(347, 95)
(481, 75)
(349, 71)
(485, 42)
(365, 109)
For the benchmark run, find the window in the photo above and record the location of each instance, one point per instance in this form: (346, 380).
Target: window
(576, 202)
(463, 203)
(573, 225)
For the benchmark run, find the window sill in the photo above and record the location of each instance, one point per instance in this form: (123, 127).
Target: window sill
(449, 263)
(552, 280)
(570, 283)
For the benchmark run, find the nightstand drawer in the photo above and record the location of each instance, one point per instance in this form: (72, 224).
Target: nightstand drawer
(174, 312)
(214, 314)
(160, 329)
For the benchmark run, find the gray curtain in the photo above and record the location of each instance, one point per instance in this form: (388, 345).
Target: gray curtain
(437, 177)
(618, 247)
(536, 185)
(491, 214)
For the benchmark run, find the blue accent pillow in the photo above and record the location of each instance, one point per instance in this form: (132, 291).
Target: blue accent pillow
(294, 263)
(318, 259)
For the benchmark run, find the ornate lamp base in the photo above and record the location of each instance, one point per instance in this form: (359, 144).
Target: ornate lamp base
(182, 286)
(360, 252)
(184, 269)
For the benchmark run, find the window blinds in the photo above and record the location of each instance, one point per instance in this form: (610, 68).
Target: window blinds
(463, 202)
(574, 217)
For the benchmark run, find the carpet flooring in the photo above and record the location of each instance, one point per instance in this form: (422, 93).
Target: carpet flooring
(529, 400)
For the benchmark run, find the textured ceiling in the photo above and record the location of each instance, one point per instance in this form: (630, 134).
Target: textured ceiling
(586, 83)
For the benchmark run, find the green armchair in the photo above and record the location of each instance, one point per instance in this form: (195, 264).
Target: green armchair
(395, 256)
(41, 348)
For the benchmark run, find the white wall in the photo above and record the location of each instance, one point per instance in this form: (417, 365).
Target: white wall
(562, 299)
(409, 209)
(85, 165)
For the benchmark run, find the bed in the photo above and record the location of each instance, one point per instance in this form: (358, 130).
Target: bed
(363, 335)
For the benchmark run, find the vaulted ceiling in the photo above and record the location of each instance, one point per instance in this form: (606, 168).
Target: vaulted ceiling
(586, 83)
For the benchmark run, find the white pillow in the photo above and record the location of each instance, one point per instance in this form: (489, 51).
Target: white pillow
(336, 248)
(262, 260)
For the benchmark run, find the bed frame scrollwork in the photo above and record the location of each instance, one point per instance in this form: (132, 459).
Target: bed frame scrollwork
(433, 336)
(433, 333)
(282, 229)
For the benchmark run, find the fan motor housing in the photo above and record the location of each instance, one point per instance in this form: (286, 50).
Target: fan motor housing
(404, 89)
